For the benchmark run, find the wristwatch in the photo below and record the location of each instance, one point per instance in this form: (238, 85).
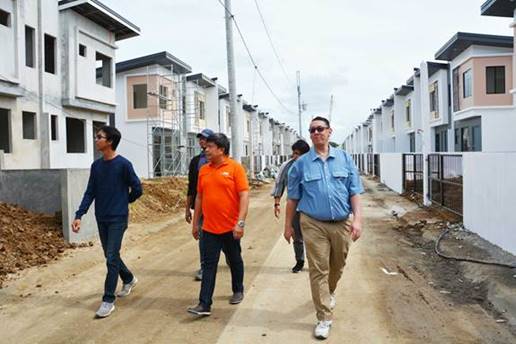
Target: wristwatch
(241, 224)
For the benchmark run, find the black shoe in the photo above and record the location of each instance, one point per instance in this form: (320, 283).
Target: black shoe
(200, 310)
(236, 298)
(299, 266)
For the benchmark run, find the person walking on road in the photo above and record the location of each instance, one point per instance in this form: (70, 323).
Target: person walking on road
(324, 186)
(223, 200)
(299, 148)
(112, 184)
(193, 173)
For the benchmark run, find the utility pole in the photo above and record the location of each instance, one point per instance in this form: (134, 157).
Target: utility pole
(331, 108)
(299, 106)
(236, 128)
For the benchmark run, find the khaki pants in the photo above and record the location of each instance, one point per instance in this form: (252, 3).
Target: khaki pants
(327, 245)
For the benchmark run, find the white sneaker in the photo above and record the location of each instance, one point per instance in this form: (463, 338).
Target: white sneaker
(126, 288)
(322, 329)
(333, 301)
(105, 309)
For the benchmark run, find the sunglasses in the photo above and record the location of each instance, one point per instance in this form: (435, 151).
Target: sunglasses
(318, 129)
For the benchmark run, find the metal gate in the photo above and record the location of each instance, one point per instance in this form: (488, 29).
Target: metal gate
(377, 165)
(445, 181)
(413, 173)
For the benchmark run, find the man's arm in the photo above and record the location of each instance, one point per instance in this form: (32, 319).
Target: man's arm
(87, 199)
(197, 216)
(238, 232)
(192, 181)
(289, 217)
(356, 225)
(135, 185)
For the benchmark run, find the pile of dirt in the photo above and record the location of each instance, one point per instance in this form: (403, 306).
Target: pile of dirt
(27, 239)
(161, 197)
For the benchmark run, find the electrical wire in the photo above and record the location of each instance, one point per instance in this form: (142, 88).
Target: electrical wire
(253, 62)
(267, 31)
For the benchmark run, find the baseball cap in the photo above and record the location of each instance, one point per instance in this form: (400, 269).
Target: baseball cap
(205, 133)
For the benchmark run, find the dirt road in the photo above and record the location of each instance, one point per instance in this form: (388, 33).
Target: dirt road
(56, 304)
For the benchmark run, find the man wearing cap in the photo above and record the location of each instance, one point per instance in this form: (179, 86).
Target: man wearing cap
(193, 173)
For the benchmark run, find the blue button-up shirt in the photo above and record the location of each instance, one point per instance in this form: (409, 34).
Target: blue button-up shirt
(324, 187)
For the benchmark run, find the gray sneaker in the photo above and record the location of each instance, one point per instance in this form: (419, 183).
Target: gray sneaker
(105, 309)
(236, 298)
(127, 288)
(198, 275)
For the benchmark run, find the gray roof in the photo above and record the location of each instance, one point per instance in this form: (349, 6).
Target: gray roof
(404, 90)
(201, 80)
(163, 58)
(102, 15)
(463, 40)
(434, 67)
(498, 8)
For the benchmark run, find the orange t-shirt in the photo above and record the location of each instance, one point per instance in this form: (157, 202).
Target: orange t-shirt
(220, 187)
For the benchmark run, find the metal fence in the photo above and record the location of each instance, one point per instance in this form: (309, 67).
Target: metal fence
(376, 168)
(445, 181)
(413, 173)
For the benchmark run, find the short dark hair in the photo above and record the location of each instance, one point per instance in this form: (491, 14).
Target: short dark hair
(320, 118)
(301, 146)
(220, 140)
(112, 135)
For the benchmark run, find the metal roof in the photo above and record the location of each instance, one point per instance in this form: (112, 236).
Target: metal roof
(102, 15)
(463, 40)
(163, 58)
(498, 8)
(404, 90)
(201, 80)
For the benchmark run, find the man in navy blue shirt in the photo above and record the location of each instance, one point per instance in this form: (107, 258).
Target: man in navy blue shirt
(324, 186)
(113, 184)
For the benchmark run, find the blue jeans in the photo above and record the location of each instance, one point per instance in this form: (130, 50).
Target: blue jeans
(111, 235)
(213, 244)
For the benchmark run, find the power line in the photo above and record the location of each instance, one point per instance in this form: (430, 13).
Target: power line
(253, 62)
(267, 31)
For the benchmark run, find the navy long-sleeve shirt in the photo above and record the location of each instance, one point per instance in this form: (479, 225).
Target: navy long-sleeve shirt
(113, 184)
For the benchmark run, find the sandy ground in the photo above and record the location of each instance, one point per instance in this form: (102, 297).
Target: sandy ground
(56, 304)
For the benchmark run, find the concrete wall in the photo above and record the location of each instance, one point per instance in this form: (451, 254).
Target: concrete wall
(391, 171)
(50, 191)
(489, 189)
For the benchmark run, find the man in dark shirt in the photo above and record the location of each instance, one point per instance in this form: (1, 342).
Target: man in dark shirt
(113, 184)
(193, 173)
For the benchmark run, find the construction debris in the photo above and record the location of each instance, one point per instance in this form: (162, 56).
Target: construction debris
(27, 239)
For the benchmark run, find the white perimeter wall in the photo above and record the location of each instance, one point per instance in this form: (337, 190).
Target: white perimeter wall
(391, 171)
(489, 189)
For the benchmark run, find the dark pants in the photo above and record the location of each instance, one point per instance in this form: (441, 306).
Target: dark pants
(213, 244)
(298, 238)
(111, 235)
(201, 246)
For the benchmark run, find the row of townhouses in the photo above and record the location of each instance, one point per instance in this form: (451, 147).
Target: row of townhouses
(59, 82)
(460, 102)
(446, 135)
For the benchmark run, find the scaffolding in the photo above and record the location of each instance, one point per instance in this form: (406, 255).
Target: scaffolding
(176, 114)
(165, 123)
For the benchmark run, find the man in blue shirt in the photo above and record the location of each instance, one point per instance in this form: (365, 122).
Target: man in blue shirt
(324, 186)
(113, 184)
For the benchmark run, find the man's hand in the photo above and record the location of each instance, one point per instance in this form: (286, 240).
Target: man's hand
(288, 233)
(238, 232)
(277, 210)
(188, 215)
(356, 230)
(76, 225)
(195, 232)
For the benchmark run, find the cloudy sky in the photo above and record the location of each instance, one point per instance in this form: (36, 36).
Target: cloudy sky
(356, 50)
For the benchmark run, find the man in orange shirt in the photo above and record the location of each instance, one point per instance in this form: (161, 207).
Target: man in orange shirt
(223, 200)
